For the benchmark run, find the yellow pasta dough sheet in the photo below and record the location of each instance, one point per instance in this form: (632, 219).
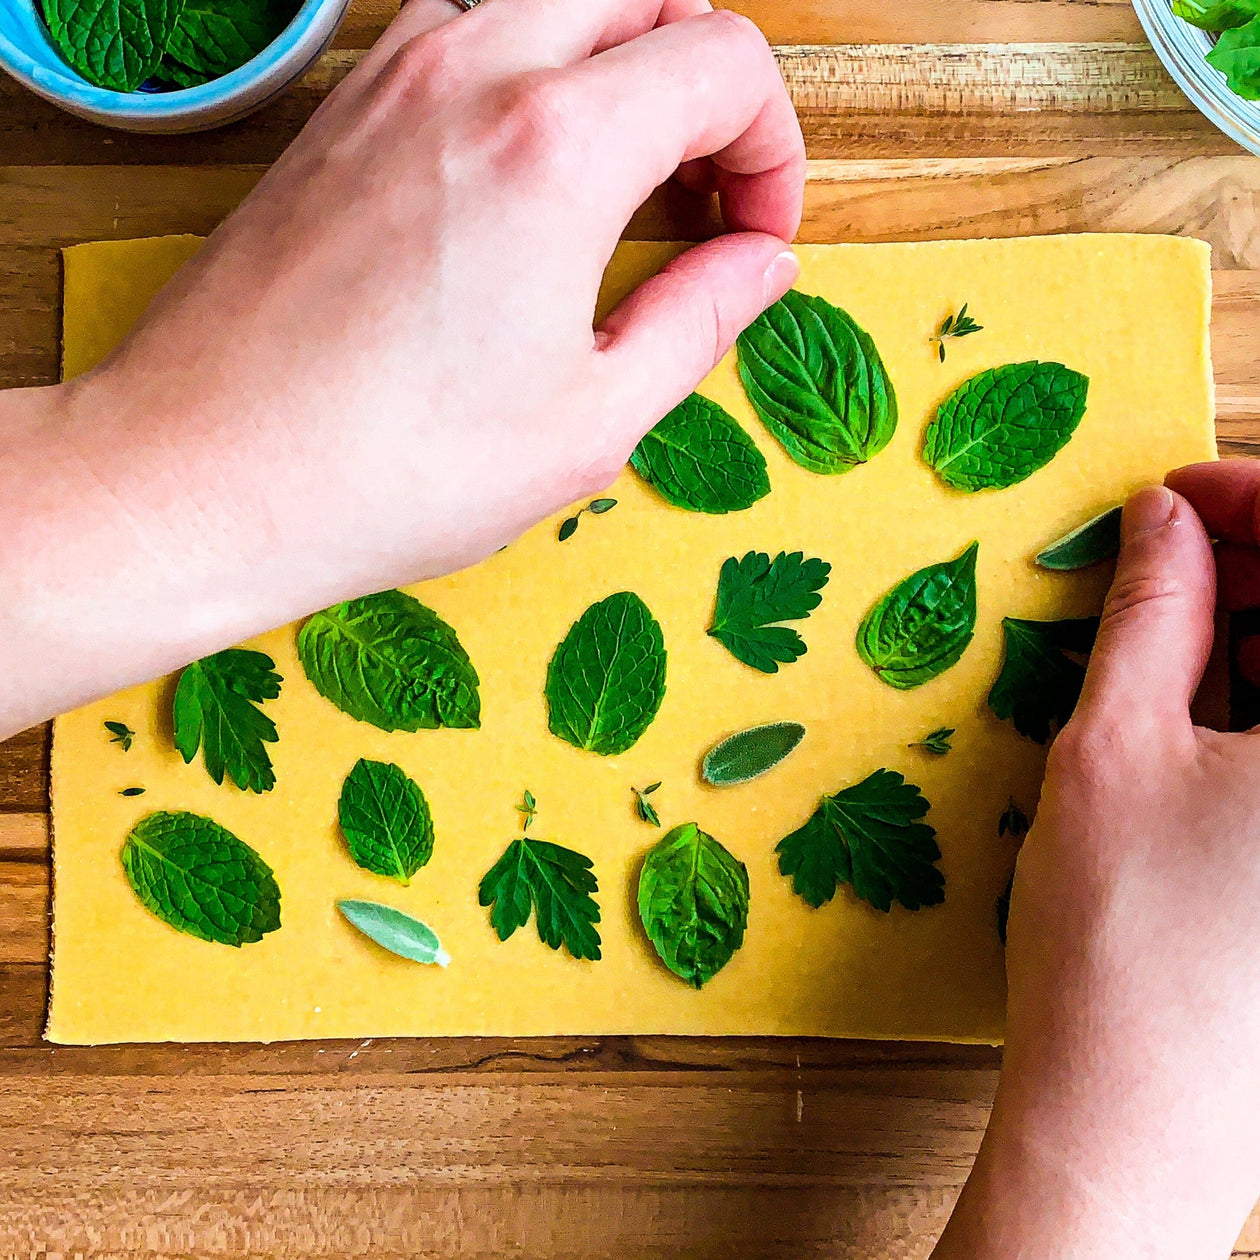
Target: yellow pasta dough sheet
(1130, 312)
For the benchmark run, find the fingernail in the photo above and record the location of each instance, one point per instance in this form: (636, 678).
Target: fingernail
(1148, 510)
(780, 275)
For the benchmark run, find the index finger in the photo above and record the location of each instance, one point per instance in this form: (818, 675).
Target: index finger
(1225, 495)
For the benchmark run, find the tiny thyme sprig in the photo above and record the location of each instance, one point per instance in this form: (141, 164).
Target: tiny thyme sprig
(527, 809)
(596, 507)
(1014, 821)
(121, 734)
(960, 325)
(643, 807)
(937, 743)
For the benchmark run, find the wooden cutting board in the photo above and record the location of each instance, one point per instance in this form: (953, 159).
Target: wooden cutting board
(934, 118)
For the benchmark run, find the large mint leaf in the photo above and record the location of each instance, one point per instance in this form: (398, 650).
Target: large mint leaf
(214, 709)
(693, 903)
(754, 594)
(816, 380)
(115, 44)
(606, 680)
(700, 459)
(388, 660)
(198, 877)
(923, 625)
(1004, 424)
(213, 39)
(385, 820)
(1041, 677)
(870, 836)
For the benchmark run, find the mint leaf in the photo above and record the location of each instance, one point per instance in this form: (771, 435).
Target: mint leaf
(693, 903)
(215, 37)
(1095, 541)
(556, 884)
(385, 820)
(1237, 57)
(923, 625)
(700, 459)
(170, 74)
(395, 931)
(114, 44)
(756, 593)
(750, 753)
(121, 734)
(606, 680)
(198, 877)
(1040, 683)
(214, 710)
(1217, 17)
(869, 836)
(816, 380)
(1004, 424)
(388, 660)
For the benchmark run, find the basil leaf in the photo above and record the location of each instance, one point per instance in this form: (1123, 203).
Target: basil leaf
(750, 753)
(215, 37)
(395, 931)
(693, 903)
(923, 625)
(556, 884)
(816, 380)
(388, 660)
(606, 680)
(1216, 17)
(214, 710)
(754, 594)
(114, 44)
(1088, 544)
(385, 820)
(700, 459)
(869, 836)
(1004, 424)
(1040, 684)
(198, 877)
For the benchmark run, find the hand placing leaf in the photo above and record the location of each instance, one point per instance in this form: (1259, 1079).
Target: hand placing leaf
(385, 820)
(1092, 543)
(1041, 681)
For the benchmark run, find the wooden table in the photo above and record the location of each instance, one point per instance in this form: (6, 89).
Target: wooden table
(922, 125)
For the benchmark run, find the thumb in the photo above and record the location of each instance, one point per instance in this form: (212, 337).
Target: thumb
(673, 330)
(1157, 625)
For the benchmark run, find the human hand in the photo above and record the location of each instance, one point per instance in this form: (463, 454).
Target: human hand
(382, 367)
(1127, 1120)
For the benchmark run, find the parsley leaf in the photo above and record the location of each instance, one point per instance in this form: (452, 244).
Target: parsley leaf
(606, 680)
(198, 877)
(750, 753)
(388, 660)
(693, 902)
(1004, 424)
(395, 931)
(1095, 541)
(555, 883)
(1040, 683)
(870, 836)
(937, 742)
(121, 734)
(754, 594)
(114, 44)
(699, 458)
(214, 709)
(214, 38)
(923, 625)
(386, 820)
(816, 380)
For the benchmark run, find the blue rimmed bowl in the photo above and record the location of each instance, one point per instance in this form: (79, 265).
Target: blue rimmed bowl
(29, 55)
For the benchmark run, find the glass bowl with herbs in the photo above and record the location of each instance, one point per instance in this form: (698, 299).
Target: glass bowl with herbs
(163, 65)
(1212, 49)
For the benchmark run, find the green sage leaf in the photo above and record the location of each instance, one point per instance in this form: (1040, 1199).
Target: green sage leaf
(816, 380)
(1092, 543)
(385, 820)
(750, 753)
(114, 44)
(395, 931)
(1041, 680)
(1004, 424)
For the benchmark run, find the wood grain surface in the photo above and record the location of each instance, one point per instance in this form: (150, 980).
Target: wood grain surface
(924, 119)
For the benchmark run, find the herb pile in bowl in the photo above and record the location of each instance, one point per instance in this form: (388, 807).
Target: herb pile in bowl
(1236, 54)
(162, 45)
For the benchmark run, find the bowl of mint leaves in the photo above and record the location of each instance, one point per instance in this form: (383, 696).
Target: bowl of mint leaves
(1212, 49)
(163, 65)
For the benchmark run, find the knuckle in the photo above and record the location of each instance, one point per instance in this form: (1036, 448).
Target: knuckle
(1140, 591)
(1088, 751)
(428, 67)
(737, 28)
(537, 123)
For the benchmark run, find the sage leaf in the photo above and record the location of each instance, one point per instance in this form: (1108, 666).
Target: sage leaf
(606, 680)
(1041, 680)
(754, 594)
(693, 903)
(385, 820)
(395, 931)
(198, 877)
(700, 459)
(1092, 543)
(869, 836)
(388, 660)
(1004, 424)
(816, 380)
(923, 625)
(750, 753)
(114, 44)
